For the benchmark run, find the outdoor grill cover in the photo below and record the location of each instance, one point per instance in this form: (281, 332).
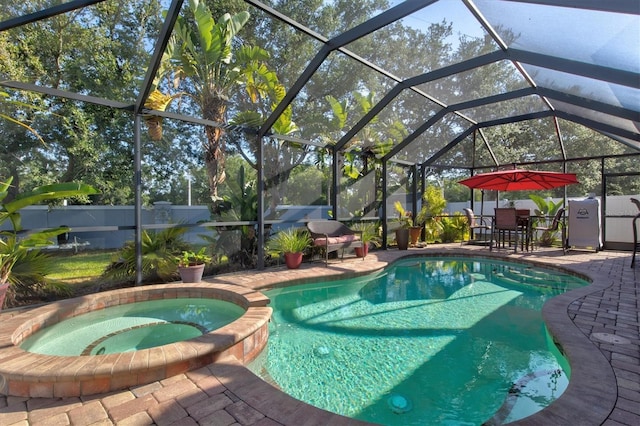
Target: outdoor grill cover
(585, 230)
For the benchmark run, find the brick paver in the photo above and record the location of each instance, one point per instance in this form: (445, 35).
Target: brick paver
(607, 312)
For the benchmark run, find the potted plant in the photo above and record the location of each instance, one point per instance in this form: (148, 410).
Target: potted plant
(405, 220)
(191, 265)
(14, 247)
(369, 237)
(290, 242)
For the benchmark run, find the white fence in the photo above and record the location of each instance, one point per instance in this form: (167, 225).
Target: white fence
(107, 227)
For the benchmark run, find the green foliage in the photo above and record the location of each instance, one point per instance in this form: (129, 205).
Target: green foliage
(160, 250)
(239, 203)
(290, 240)
(21, 251)
(192, 258)
(453, 227)
(433, 204)
(30, 278)
(370, 232)
(404, 217)
(215, 66)
(546, 209)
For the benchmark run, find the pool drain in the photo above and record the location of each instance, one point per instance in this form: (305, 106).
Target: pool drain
(323, 351)
(399, 404)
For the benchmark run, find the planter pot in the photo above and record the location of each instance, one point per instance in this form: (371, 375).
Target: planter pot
(293, 260)
(191, 274)
(414, 233)
(362, 251)
(402, 238)
(4, 287)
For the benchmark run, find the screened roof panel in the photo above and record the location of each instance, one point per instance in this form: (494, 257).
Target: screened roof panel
(434, 139)
(574, 55)
(589, 88)
(590, 36)
(460, 156)
(440, 34)
(600, 117)
(344, 80)
(579, 141)
(468, 85)
(514, 143)
(401, 117)
(327, 20)
(508, 108)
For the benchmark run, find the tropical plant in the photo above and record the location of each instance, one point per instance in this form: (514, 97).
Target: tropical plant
(240, 203)
(433, 204)
(369, 232)
(160, 250)
(453, 227)
(405, 218)
(20, 249)
(290, 240)
(192, 258)
(30, 278)
(215, 65)
(546, 209)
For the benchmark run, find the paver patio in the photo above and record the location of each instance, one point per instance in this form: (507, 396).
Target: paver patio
(597, 326)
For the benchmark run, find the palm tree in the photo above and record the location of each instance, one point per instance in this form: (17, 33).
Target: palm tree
(206, 56)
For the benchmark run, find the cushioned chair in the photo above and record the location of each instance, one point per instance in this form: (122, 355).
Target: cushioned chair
(331, 235)
(476, 226)
(555, 224)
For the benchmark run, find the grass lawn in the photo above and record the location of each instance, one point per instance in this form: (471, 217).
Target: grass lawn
(81, 268)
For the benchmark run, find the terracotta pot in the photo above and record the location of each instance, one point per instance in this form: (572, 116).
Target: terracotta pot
(362, 251)
(293, 260)
(4, 287)
(191, 274)
(402, 238)
(414, 233)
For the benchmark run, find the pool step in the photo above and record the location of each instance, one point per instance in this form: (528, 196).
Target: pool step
(528, 278)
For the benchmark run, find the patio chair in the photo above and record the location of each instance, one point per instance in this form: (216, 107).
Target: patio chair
(505, 228)
(475, 226)
(331, 235)
(555, 224)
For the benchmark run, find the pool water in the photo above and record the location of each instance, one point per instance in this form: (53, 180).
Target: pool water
(133, 326)
(428, 341)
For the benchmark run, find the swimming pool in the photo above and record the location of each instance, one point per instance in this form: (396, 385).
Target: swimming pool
(428, 341)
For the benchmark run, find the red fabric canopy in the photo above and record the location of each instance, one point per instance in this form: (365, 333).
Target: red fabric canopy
(519, 180)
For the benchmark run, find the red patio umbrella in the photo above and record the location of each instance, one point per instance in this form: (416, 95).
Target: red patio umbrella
(519, 180)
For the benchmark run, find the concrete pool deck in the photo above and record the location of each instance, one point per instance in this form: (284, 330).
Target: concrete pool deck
(598, 327)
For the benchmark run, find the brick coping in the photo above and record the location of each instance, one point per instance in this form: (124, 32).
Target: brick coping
(30, 374)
